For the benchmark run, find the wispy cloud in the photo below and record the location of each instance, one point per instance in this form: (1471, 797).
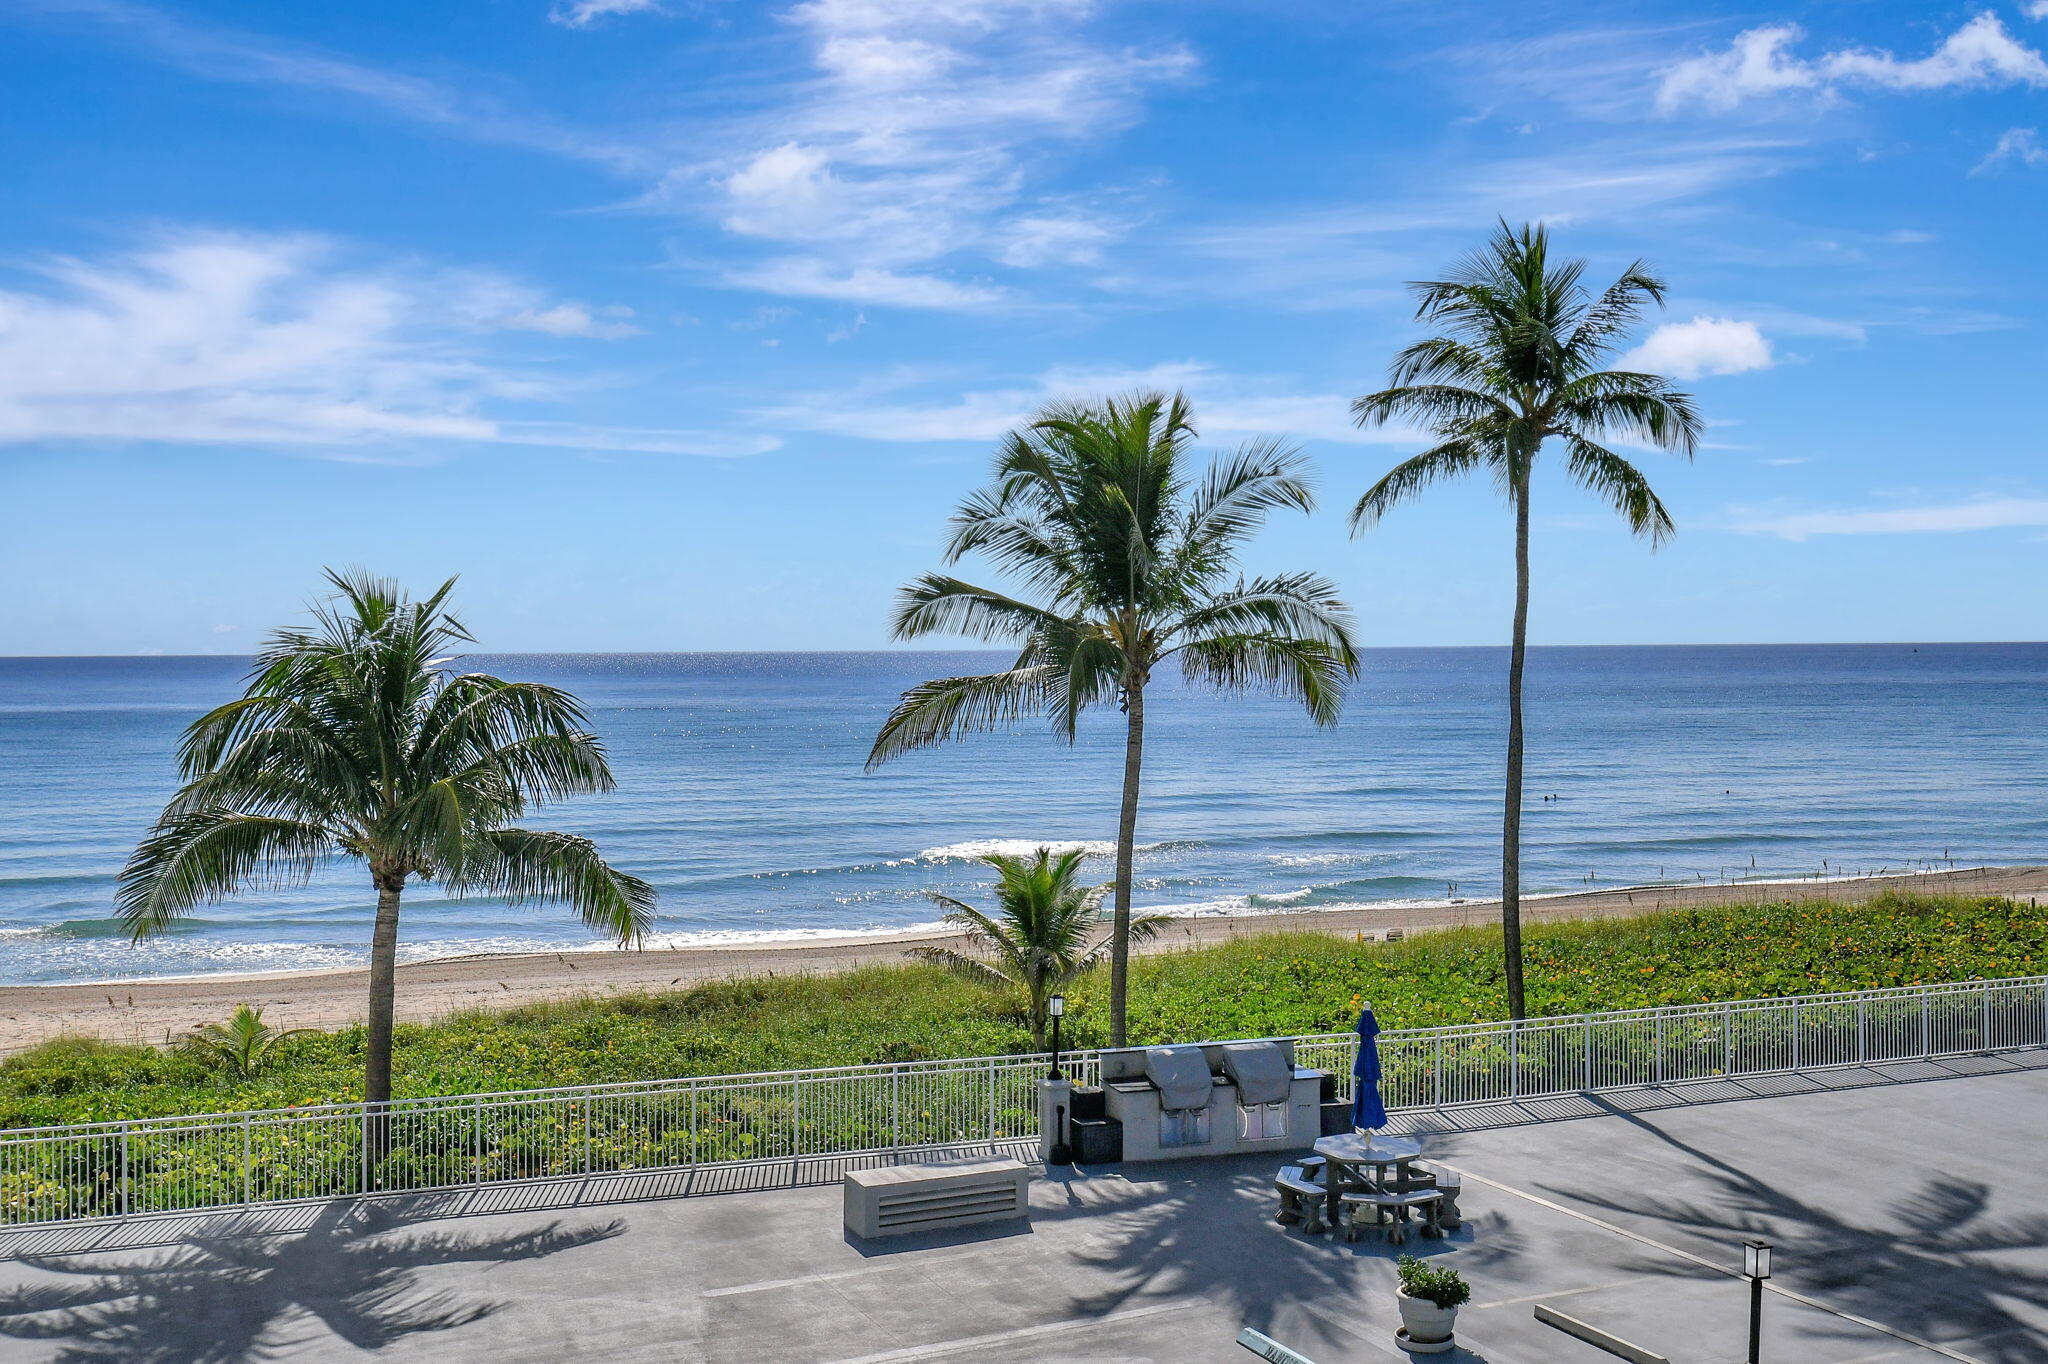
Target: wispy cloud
(906, 407)
(1989, 514)
(583, 13)
(1705, 345)
(278, 341)
(1314, 257)
(218, 52)
(1761, 62)
(911, 149)
(2019, 145)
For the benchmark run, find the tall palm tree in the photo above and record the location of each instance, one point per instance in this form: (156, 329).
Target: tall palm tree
(353, 741)
(1042, 936)
(1519, 364)
(1095, 509)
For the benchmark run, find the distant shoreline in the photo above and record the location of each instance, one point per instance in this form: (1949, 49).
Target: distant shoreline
(157, 1009)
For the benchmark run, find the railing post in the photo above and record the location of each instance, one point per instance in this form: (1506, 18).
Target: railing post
(476, 1167)
(1862, 1029)
(126, 1132)
(1657, 1065)
(1589, 1052)
(991, 1101)
(1926, 1028)
(895, 1108)
(1798, 1019)
(1514, 1058)
(1436, 1074)
(1727, 1040)
(248, 1166)
(1984, 1017)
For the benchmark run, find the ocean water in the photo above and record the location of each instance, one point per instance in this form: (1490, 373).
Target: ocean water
(742, 798)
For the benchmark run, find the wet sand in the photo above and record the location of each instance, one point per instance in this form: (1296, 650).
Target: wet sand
(160, 1010)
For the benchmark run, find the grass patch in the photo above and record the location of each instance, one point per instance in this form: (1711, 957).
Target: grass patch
(1255, 986)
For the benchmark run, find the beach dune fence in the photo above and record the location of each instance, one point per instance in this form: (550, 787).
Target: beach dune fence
(230, 1160)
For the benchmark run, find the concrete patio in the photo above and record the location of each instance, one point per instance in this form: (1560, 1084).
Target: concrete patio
(1909, 1205)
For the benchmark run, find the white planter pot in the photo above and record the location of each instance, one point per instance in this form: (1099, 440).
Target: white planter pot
(1425, 1327)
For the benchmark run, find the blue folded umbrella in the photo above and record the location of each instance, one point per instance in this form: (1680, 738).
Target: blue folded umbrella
(1368, 1110)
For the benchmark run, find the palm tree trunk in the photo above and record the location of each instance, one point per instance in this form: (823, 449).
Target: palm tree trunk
(1511, 818)
(1126, 839)
(383, 987)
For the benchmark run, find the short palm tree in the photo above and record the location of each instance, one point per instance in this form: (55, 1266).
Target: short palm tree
(1096, 510)
(1519, 364)
(1043, 936)
(353, 741)
(243, 1043)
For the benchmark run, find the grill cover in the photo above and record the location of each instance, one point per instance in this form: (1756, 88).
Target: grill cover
(1180, 1074)
(1261, 1070)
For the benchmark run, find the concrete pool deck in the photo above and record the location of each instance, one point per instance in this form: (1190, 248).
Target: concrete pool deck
(1908, 1204)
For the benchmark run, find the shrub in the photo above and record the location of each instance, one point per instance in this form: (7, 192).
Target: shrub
(1439, 1284)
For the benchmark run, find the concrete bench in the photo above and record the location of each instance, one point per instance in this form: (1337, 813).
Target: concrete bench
(1390, 1212)
(903, 1198)
(1301, 1199)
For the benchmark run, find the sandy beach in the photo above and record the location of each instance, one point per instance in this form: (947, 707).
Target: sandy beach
(156, 1010)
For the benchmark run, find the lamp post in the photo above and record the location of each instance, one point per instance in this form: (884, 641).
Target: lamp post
(1061, 1153)
(1056, 1009)
(1756, 1267)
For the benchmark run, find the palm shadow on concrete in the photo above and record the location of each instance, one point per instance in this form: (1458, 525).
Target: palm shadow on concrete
(1203, 1230)
(1931, 1260)
(226, 1297)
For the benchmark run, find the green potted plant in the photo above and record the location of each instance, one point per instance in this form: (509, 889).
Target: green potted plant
(1430, 1297)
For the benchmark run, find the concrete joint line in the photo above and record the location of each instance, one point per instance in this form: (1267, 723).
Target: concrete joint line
(1705, 1263)
(948, 1347)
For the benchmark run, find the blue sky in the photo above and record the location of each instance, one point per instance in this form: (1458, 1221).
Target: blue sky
(682, 325)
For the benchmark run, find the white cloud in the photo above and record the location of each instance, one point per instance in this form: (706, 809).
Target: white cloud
(1991, 514)
(266, 340)
(2035, 9)
(217, 52)
(813, 277)
(583, 13)
(572, 319)
(1228, 407)
(2021, 145)
(911, 146)
(1705, 345)
(1353, 255)
(1761, 63)
(1035, 240)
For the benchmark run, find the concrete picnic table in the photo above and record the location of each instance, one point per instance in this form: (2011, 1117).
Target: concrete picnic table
(1347, 1154)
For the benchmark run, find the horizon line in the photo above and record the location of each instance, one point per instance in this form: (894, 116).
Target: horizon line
(911, 653)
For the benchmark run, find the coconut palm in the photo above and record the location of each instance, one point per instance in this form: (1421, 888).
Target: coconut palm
(1518, 365)
(1043, 935)
(353, 741)
(242, 1044)
(1096, 510)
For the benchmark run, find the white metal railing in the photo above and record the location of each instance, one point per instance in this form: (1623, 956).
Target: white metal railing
(223, 1160)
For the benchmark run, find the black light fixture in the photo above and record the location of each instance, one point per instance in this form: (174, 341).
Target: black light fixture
(1061, 1153)
(1756, 1267)
(1056, 1009)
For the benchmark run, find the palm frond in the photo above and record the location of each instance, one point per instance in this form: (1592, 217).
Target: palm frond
(1622, 485)
(950, 707)
(960, 964)
(529, 864)
(1309, 671)
(937, 604)
(197, 857)
(1451, 458)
